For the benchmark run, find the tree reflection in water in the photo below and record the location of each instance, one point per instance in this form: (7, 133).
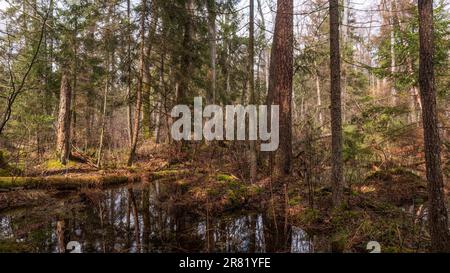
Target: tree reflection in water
(143, 218)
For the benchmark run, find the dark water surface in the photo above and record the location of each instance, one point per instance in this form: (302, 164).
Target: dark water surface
(105, 221)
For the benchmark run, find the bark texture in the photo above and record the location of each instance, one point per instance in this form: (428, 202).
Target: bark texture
(280, 84)
(63, 128)
(438, 217)
(140, 86)
(337, 177)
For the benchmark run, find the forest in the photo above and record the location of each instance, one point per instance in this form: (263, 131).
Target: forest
(355, 94)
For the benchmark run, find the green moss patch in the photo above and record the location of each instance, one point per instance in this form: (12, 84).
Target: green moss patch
(10, 246)
(64, 182)
(169, 173)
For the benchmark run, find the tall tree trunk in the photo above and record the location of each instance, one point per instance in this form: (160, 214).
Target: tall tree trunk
(63, 132)
(186, 59)
(75, 84)
(251, 85)
(211, 5)
(162, 95)
(280, 84)
(392, 46)
(319, 98)
(438, 219)
(129, 81)
(103, 126)
(108, 83)
(337, 177)
(137, 112)
(147, 87)
(345, 67)
(264, 49)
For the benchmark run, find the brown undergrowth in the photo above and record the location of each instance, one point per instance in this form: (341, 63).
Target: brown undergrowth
(388, 205)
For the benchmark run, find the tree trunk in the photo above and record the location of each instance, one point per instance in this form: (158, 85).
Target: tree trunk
(251, 85)
(104, 112)
(137, 112)
(319, 98)
(280, 84)
(63, 132)
(186, 59)
(129, 111)
(212, 50)
(392, 45)
(74, 85)
(147, 87)
(337, 178)
(438, 217)
(264, 50)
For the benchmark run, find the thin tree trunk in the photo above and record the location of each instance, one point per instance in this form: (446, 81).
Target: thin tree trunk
(319, 99)
(251, 85)
(337, 178)
(129, 81)
(345, 67)
(159, 107)
(438, 217)
(137, 112)
(265, 53)
(63, 131)
(109, 63)
(103, 127)
(147, 87)
(75, 84)
(212, 49)
(392, 44)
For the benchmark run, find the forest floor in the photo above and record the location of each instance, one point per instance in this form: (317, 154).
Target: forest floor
(388, 206)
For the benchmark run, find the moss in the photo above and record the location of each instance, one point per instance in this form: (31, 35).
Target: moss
(168, 173)
(54, 164)
(64, 182)
(237, 192)
(13, 182)
(225, 177)
(255, 190)
(10, 246)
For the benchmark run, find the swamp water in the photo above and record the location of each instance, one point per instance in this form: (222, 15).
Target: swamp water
(143, 217)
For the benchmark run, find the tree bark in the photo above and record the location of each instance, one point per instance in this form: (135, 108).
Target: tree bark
(63, 128)
(74, 85)
(129, 81)
(280, 84)
(438, 219)
(251, 84)
(137, 112)
(147, 80)
(337, 177)
(392, 47)
(104, 112)
(211, 5)
(186, 57)
(319, 98)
